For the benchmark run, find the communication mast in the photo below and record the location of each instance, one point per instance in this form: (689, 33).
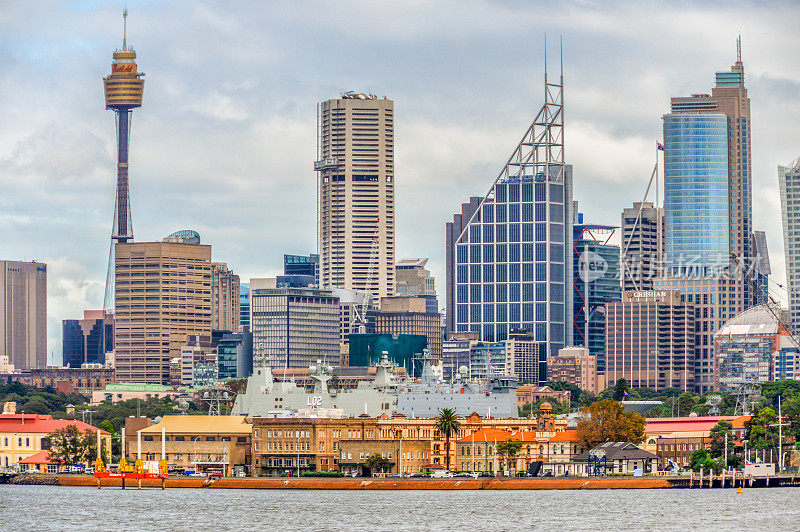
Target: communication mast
(123, 90)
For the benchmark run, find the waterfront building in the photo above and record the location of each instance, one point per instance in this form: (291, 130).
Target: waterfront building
(197, 443)
(163, 296)
(523, 357)
(293, 327)
(708, 202)
(675, 438)
(416, 281)
(244, 307)
(406, 456)
(752, 347)
(409, 315)
(235, 355)
(576, 365)
(88, 340)
(650, 340)
(642, 249)
(355, 169)
(789, 184)
(563, 448)
(23, 313)
(279, 443)
(596, 283)
(225, 298)
(23, 436)
(622, 458)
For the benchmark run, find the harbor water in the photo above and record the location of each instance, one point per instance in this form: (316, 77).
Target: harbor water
(78, 508)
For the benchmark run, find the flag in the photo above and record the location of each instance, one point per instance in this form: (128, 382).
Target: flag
(626, 394)
(659, 146)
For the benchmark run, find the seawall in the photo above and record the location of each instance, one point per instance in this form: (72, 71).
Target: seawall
(383, 483)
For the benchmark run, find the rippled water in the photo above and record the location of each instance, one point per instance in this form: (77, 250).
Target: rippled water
(71, 508)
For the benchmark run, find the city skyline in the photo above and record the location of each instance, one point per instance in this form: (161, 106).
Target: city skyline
(236, 142)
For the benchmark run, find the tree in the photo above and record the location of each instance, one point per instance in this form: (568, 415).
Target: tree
(685, 404)
(71, 446)
(717, 434)
(760, 434)
(606, 420)
(558, 407)
(507, 450)
(376, 462)
(618, 391)
(447, 425)
(700, 459)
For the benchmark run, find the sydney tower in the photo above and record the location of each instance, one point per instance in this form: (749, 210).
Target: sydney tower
(123, 92)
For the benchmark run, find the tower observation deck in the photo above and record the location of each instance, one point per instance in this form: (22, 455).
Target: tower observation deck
(123, 90)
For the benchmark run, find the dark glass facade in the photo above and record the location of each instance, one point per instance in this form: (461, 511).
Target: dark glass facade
(235, 355)
(86, 341)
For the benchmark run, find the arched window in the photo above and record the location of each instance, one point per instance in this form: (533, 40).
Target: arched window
(562, 449)
(541, 449)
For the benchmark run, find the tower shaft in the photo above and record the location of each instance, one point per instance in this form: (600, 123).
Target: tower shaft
(122, 214)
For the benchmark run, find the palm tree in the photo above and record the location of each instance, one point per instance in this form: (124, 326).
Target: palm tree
(447, 425)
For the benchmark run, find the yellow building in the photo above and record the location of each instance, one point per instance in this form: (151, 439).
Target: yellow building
(24, 435)
(199, 443)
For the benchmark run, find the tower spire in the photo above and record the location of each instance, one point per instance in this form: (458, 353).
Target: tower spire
(739, 49)
(124, 29)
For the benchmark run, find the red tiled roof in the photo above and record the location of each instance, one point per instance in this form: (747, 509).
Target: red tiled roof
(524, 435)
(486, 435)
(40, 424)
(42, 457)
(567, 435)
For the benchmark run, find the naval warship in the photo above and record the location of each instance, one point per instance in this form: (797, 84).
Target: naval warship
(420, 398)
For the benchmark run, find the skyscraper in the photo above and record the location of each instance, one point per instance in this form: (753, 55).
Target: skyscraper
(596, 283)
(163, 297)
(225, 298)
(789, 181)
(708, 197)
(355, 168)
(123, 89)
(511, 267)
(88, 340)
(416, 281)
(23, 313)
(642, 248)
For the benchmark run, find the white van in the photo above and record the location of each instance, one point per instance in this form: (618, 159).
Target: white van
(442, 473)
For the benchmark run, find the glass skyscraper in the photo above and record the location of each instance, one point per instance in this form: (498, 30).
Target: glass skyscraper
(789, 182)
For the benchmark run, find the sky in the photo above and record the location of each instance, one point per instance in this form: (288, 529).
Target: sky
(225, 140)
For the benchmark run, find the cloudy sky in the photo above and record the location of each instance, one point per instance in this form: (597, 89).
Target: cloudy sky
(225, 140)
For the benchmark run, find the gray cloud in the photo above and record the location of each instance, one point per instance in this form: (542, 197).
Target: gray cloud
(225, 140)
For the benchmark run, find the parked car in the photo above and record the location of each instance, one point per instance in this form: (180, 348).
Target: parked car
(441, 473)
(75, 469)
(419, 475)
(463, 474)
(486, 474)
(196, 474)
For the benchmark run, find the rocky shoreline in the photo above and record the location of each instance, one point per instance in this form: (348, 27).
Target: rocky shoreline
(34, 479)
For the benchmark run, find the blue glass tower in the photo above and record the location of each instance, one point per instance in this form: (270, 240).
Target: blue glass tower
(511, 260)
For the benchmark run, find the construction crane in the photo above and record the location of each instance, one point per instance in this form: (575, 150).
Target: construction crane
(360, 315)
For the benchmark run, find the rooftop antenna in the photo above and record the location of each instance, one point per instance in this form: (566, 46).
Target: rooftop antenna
(739, 49)
(124, 28)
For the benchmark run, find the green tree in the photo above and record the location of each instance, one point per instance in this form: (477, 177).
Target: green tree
(446, 426)
(558, 407)
(607, 420)
(70, 446)
(684, 404)
(717, 434)
(761, 430)
(507, 450)
(377, 463)
(617, 391)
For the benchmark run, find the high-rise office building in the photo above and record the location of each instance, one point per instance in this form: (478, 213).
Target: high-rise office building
(453, 231)
(523, 354)
(225, 298)
(416, 281)
(511, 266)
(293, 327)
(356, 313)
(235, 355)
(23, 313)
(596, 283)
(650, 340)
(642, 246)
(789, 182)
(163, 296)
(244, 306)
(88, 340)
(708, 202)
(301, 265)
(355, 165)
